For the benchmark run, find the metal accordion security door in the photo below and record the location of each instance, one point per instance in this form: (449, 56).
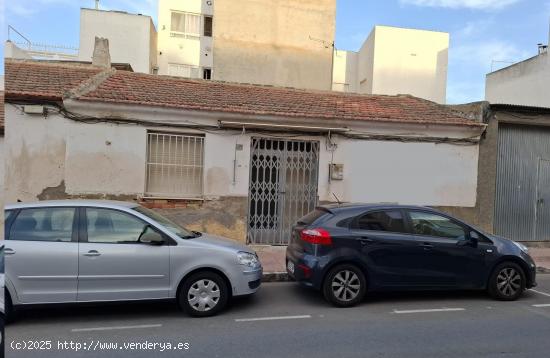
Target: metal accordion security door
(283, 187)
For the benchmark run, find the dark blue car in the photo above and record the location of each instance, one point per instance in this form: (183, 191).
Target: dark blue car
(348, 250)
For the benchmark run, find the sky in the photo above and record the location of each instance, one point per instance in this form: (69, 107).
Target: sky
(483, 32)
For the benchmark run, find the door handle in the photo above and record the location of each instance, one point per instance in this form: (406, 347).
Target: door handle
(8, 251)
(427, 246)
(367, 240)
(92, 253)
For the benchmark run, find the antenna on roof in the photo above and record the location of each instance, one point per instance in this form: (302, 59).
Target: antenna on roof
(337, 200)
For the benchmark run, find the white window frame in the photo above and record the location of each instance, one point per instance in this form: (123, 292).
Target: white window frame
(186, 33)
(180, 178)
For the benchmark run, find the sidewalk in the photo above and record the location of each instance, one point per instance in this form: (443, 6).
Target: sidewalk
(541, 257)
(273, 260)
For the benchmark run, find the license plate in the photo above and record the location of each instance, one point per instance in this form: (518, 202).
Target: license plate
(290, 266)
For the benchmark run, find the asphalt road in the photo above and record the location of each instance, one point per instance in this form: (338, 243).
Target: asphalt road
(285, 320)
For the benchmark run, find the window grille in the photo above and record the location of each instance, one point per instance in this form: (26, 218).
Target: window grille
(174, 165)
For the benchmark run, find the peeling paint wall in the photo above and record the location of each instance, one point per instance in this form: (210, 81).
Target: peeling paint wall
(56, 158)
(223, 217)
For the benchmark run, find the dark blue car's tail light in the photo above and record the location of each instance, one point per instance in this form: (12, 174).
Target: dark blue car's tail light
(316, 236)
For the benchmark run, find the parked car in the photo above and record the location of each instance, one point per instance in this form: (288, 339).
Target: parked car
(348, 250)
(94, 251)
(2, 312)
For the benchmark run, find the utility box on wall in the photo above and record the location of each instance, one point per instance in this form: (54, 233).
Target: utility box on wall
(336, 171)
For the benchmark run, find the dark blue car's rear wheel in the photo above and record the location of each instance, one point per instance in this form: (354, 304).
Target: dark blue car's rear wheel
(507, 282)
(345, 285)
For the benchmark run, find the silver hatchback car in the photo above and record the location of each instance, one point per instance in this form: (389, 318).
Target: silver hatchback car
(95, 251)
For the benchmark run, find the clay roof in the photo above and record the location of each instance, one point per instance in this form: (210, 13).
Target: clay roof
(41, 81)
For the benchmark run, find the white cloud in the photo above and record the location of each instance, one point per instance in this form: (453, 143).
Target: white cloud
(458, 4)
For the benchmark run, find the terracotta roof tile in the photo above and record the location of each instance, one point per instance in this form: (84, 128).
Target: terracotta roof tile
(172, 92)
(41, 80)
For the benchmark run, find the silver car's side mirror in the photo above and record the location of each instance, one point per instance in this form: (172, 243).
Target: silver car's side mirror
(152, 237)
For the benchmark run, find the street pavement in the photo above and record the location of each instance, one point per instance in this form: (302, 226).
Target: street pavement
(286, 320)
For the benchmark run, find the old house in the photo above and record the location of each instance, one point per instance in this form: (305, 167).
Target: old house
(243, 161)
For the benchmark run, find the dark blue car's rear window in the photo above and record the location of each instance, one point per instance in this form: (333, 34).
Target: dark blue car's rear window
(312, 216)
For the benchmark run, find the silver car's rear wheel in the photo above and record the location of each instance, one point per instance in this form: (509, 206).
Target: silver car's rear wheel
(203, 294)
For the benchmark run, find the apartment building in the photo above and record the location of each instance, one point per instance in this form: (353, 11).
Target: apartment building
(185, 38)
(395, 61)
(282, 43)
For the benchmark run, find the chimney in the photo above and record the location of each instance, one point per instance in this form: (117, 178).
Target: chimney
(542, 48)
(101, 57)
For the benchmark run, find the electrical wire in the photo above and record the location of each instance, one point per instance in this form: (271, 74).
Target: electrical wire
(216, 129)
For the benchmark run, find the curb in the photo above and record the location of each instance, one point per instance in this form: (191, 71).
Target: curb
(276, 277)
(543, 270)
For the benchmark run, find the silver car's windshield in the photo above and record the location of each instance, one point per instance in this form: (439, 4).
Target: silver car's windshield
(167, 223)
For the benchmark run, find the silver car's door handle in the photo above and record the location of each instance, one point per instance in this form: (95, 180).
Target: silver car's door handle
(92, 253)
(8, 251)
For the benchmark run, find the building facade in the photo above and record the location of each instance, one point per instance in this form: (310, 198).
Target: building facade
(525, 83)
(284, 43)
(185, 38)
(241, 161)
(395, 61)
(132, 38)
(280, 43)
(513, 187)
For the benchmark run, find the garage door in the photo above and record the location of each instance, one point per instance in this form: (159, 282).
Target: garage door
(522, 203)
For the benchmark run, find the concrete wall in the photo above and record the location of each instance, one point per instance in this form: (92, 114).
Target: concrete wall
(274, 42)
(12, 51)
(132, 38)
(178, 50)
(526, 83)
(400, 61)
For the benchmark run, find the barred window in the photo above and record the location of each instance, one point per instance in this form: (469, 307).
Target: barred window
(174, 165)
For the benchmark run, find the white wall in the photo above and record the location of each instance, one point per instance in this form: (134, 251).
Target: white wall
(196, 51)
(526, 83)
(132, 38)
(395, 61)
(406, 173)
(12, 51)
(345, 71)
(108, 158)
